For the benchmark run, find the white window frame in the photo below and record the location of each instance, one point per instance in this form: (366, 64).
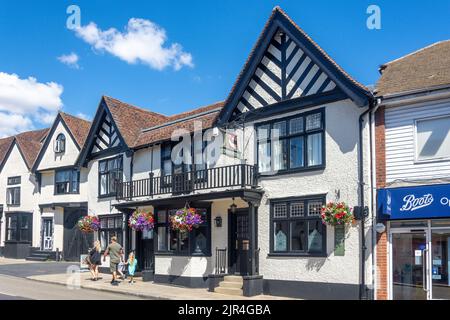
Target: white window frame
(416, 155)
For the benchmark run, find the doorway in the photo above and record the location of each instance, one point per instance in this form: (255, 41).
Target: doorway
(47, 234)
(239, 242)
(145, 250)
(419, 262)
(75, 242)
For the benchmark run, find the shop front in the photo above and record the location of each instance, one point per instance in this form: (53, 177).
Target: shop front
(418, 226)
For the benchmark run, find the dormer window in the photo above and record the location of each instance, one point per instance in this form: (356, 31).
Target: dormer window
(60, 143)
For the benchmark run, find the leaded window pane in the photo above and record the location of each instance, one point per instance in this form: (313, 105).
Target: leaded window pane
(296, 125)
(296, 152)
(280, 210)
(297, 209)
(279, 154)
(279, 129)
(298, 236)
(315, 149)
(314, 207)
(314, 121)
(263, 132)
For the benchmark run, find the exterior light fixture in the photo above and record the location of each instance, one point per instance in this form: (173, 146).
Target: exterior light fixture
(233, 207)
(218, 221)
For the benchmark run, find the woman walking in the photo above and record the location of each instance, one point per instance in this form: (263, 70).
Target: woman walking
(95, 259)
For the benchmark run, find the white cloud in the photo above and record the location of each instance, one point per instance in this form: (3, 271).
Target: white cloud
(70, 60)
(25, 103)
(83, 116)
(141, 42)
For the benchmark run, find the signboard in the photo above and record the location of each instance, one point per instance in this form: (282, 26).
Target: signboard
(339, 240)
(83, 264)
(414, 202)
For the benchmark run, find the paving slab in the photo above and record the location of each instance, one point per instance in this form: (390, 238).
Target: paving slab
(142, 289)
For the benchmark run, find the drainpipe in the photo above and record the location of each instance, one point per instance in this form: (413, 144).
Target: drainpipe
(373, 192)
(362, 288)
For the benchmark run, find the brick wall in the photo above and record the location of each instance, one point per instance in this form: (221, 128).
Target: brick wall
(382, 241)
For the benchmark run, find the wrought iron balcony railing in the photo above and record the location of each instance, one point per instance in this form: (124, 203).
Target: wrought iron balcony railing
(239, 175)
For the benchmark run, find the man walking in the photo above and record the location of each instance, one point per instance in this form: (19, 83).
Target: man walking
(114, 250)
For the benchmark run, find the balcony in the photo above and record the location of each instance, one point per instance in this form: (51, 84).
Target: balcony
(239, 176)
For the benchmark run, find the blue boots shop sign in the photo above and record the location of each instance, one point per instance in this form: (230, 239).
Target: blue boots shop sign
(414, 202)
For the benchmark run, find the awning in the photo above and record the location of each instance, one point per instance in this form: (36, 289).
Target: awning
(432, 201)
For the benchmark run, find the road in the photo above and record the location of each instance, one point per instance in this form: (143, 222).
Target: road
(16, 288)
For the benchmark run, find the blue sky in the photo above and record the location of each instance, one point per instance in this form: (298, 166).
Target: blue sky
(213, 41)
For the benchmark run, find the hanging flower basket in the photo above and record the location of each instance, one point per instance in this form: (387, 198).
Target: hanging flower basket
(337, 214)
(185, 219)
(89, 224)
(140, 221)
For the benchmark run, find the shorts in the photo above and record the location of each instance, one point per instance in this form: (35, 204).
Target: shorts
(113, 266)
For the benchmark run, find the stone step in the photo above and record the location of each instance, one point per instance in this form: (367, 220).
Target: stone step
(229, 284)
(237, 279)
(229, 291)
(31, 258)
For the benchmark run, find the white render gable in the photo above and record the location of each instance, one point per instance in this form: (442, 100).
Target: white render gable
(51, 159)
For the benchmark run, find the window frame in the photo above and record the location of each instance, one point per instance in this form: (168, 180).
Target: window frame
(15, 180)
(18, 228)
(289, 220)
(60, 138)
(12, 189)
(108, 172)
(72, 172)
(114, 230)
(191, 252)
(288, 137)
(416, 150)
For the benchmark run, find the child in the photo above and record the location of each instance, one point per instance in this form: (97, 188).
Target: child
(122, 265)
(132, 263)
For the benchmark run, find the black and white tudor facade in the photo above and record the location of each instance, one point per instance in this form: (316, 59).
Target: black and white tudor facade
(300, 132)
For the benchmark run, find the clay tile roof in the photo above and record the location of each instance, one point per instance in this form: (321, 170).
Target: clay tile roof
(5, 143)
(163, 131)
(30, 143)
(79, 127)
(131, 120)
(425, 68)
(276, 10)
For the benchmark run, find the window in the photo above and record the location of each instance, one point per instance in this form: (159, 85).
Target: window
(110, 173)
(13, 180)
(296, 227)
(13, 196)
(294, 143)
(433, 138)
(196, 242)
(67, 181)
(110, 226)
(18, 227)
(60, 143)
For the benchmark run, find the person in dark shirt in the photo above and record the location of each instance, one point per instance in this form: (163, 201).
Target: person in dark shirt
(95, 259)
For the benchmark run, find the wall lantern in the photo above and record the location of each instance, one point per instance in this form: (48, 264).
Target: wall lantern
(233, 207)
(218, 221)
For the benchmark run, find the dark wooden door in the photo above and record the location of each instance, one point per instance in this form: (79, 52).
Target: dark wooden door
(240, 243)
(145, 251)
(75, 242)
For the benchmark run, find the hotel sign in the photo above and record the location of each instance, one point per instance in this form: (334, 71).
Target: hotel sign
(431, 201)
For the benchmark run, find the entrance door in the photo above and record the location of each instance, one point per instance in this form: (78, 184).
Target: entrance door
(47, 234)
(240, 242)
(145, 250)
(409, 265)
(75, 242)
(440, 260)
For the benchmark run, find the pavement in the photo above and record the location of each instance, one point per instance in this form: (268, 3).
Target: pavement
(57, 274)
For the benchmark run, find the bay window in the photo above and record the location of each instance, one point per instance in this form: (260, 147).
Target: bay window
(291, 144)
(296, 227)
(169, 241)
